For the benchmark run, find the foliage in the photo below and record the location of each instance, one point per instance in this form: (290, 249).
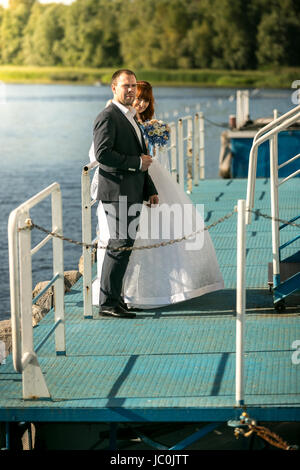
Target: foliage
(281, 77)
(161, 34)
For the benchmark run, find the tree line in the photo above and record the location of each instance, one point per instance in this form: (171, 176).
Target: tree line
(143, 34)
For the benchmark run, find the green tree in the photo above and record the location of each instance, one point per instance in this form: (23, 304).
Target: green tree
(13, 23)
(91, 34)
(199, 34)
(152, 33)
(278, 37)
(229, 34)
(13, 4)
(234, 34)
(43, 35)
(199, 42)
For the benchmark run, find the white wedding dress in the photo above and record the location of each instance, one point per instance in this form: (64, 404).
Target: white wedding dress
(168, 274)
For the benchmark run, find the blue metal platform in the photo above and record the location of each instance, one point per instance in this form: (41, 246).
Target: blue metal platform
(176, 363)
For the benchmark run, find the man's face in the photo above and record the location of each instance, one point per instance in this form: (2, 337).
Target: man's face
(124, 89)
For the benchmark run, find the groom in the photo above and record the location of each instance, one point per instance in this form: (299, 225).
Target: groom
(123, 180)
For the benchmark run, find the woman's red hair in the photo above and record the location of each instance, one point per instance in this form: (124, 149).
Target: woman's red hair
(144, 90)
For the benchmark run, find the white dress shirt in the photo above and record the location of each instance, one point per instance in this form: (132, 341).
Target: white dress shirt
(130, 113)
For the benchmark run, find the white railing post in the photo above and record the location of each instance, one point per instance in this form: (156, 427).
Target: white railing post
(180, 153)
(173, 144)
(14, 282)
(242, 107)
(189, 152)
(251, 182)
(240, 302)
(58, 268)
(33, 381)
(196, 150)
(20, 271)
(274, 205)
(86, 238)
(202, 146)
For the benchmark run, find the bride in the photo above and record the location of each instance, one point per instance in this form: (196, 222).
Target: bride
(172, 272)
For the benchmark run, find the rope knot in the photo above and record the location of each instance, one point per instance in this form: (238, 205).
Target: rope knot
(29, 225)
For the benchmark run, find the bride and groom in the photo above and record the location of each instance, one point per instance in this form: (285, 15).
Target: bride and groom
(133, 185)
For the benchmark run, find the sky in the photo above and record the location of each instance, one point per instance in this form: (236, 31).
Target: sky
(4, 3)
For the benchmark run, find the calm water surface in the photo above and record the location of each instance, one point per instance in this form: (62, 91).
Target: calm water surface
(45, 135)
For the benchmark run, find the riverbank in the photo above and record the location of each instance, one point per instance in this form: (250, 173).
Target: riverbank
(276, 78)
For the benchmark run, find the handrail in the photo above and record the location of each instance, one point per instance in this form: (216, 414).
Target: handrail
(173, 150)
(15, 290)
(87, 238)
(287, 178)
(289, 161)
(276, 121)
(181, 140)
(90, 166)
(271, 130)
(240, 302)
(20, 271)
(195, 150)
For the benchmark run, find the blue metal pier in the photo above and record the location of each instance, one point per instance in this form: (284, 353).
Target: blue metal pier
(177, 364)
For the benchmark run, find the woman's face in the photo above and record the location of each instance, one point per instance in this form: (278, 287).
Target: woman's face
(140, 104)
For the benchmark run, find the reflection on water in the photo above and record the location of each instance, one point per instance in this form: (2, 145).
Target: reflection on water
(45, 135)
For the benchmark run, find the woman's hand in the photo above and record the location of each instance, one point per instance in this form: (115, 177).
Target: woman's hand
(146, 162)
(153, 200)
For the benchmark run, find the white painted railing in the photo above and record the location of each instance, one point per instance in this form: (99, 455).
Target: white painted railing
(270, 132)
(240, 302)
(242, 107)
(86, 214)
(191, 150)
(25, 358)
(266, 133)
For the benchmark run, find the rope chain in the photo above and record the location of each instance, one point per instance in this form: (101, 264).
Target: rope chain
(31, 225)
(282, 221)
(263, 432)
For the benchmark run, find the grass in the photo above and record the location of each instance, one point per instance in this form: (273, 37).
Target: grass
(275, 78)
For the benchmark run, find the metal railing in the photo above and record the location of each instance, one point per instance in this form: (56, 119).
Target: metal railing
(86, 214)
(266, 133)
(191, 150)
(244, 209)
(240, 302)
(20, 268)
(242, 107)
(270, 132)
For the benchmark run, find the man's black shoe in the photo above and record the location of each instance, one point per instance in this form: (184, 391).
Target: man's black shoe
(117, 312)
(129, 309)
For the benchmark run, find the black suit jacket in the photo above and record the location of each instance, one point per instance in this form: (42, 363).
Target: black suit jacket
(118, 149)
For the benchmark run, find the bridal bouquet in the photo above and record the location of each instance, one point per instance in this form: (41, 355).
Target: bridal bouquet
(157, 132)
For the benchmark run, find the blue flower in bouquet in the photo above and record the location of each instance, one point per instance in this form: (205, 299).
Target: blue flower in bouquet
(157, 132)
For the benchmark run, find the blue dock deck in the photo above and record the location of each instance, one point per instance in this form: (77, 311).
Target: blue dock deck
(177, 363)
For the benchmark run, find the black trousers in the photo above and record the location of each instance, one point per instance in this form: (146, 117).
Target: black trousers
(122, 218)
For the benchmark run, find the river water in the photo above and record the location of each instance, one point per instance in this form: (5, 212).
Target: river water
(45, 135)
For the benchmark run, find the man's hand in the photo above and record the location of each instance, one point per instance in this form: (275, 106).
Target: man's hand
(153, 200)
(146, 162)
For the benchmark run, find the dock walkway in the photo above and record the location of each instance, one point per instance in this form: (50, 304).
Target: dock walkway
(177, 363)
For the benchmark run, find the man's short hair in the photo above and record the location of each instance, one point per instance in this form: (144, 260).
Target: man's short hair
(116, 75)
